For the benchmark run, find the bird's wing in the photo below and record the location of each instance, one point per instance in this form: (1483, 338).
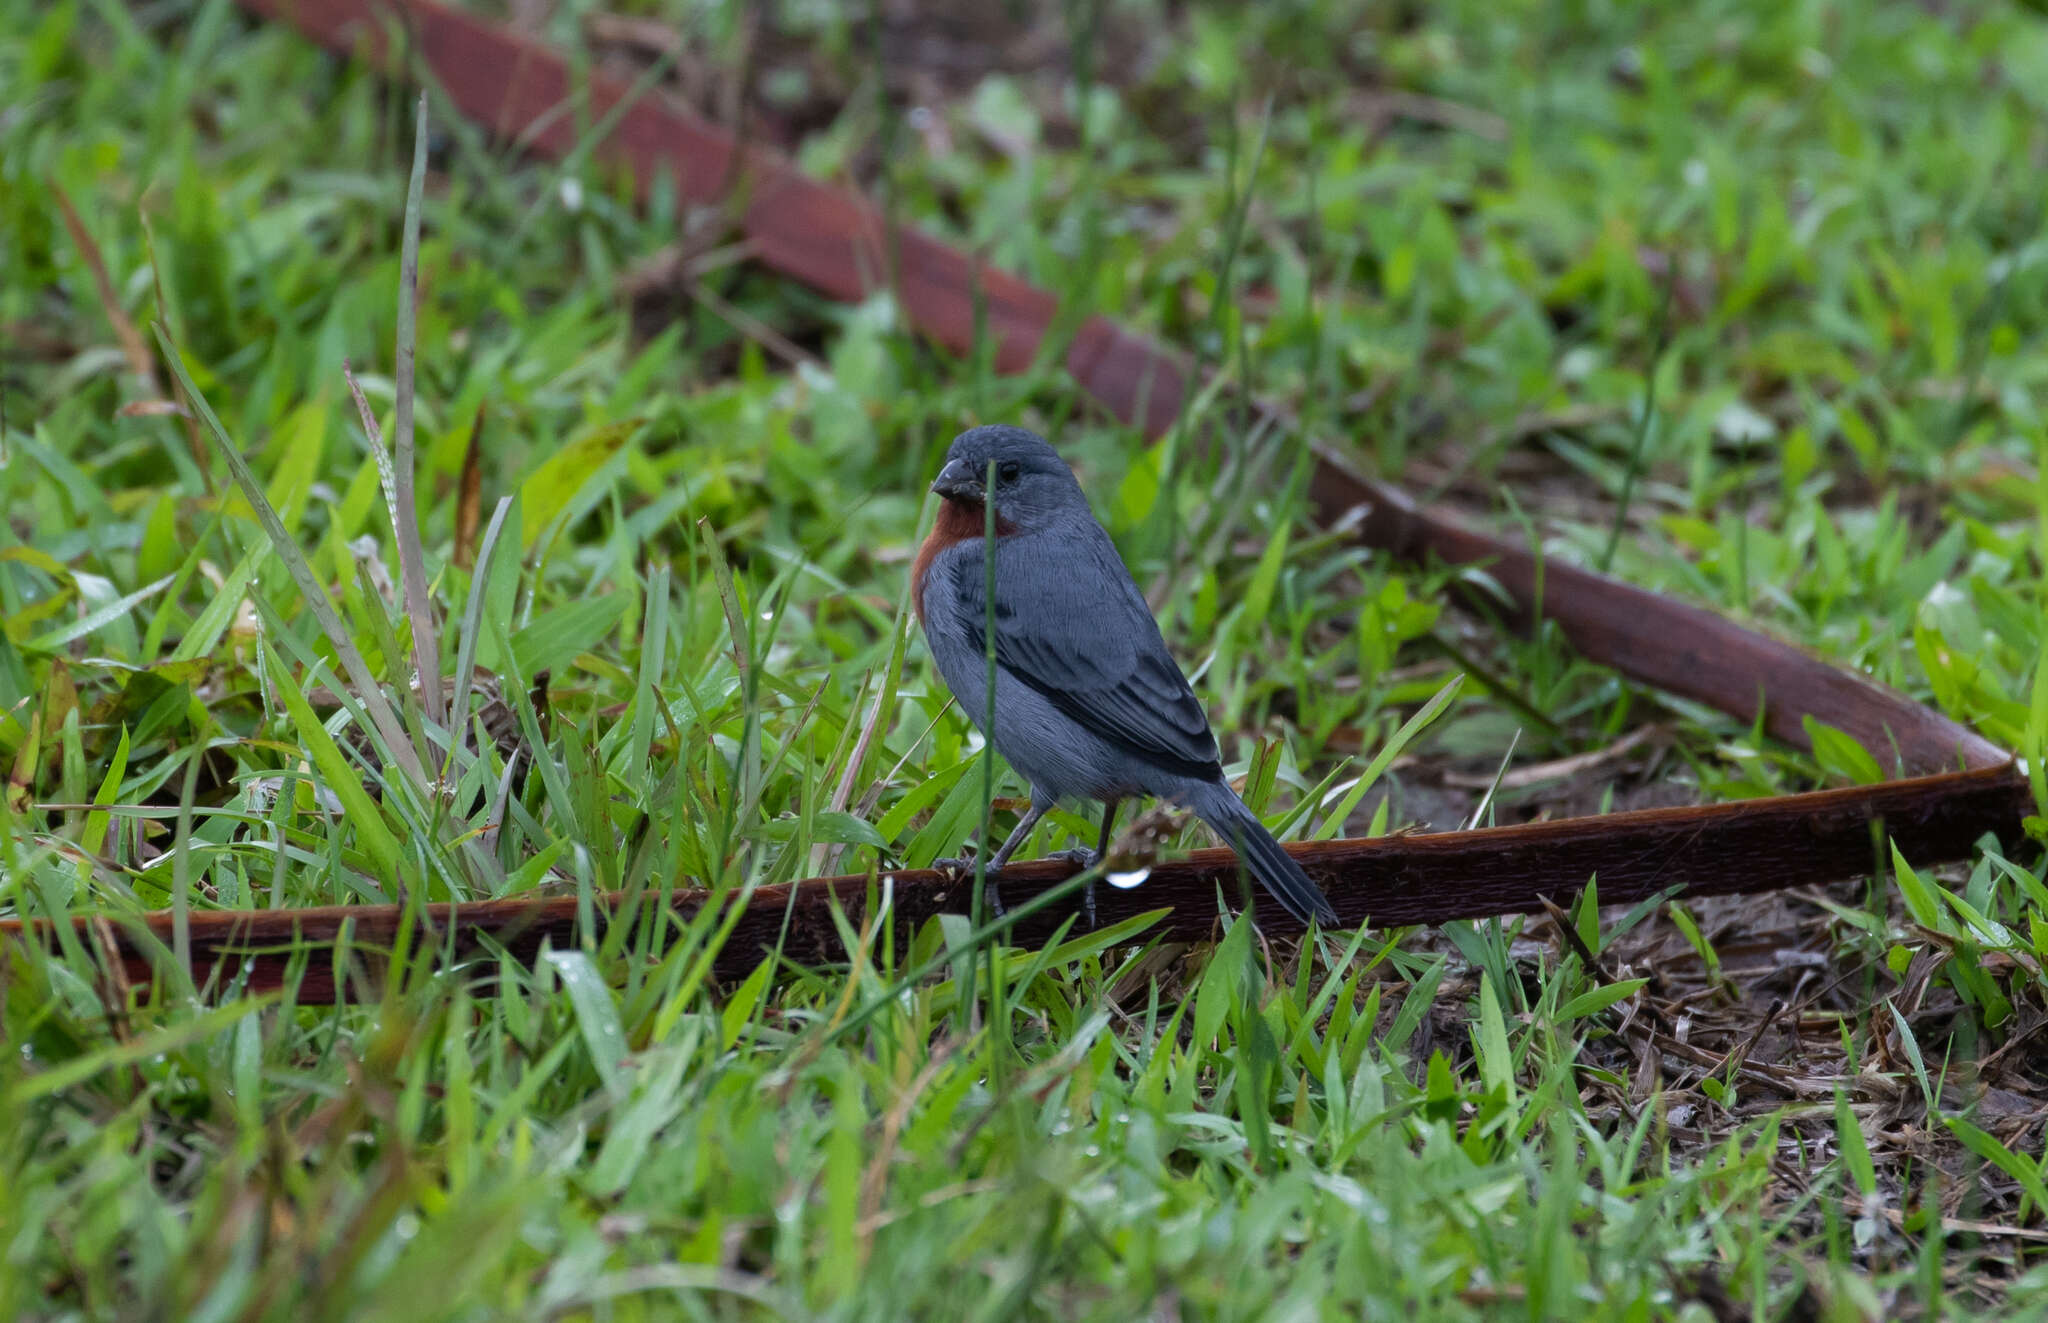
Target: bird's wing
(1071, 624)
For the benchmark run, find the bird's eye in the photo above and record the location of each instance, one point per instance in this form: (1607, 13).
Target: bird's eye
(1008, 471)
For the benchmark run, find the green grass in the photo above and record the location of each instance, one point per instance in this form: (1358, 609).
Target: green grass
(706, 549)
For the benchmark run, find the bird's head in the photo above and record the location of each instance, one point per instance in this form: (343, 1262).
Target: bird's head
(1032, 484)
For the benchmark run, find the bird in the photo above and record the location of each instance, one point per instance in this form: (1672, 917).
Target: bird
(1089, 704)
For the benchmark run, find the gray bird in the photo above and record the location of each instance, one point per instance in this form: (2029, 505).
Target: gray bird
(1089, 703)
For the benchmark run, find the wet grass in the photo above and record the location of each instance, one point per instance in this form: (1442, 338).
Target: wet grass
(1461, 239)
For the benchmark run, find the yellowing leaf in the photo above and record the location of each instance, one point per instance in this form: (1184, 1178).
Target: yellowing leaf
(561, 478)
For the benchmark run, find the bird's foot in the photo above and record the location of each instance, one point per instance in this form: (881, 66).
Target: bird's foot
(1086, 858)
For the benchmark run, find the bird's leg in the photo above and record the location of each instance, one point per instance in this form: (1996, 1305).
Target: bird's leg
(1108, 821)
(1009, 847)
(1101, 853)
(1090, 858)
(1002, 855)
(1017, 835)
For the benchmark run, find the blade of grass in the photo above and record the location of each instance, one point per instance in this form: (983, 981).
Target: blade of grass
(412, 561)
(473, 611)
(1478, 814)
(1643, 421)
(1388, 752)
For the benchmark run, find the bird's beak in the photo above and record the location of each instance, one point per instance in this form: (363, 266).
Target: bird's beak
(959, 481)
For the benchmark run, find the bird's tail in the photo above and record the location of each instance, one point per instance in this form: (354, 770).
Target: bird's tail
(1275, 869)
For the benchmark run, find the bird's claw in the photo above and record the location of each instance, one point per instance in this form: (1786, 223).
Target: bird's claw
(1086, 858)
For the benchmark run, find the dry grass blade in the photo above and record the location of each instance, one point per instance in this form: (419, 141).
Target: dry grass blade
(152, 409)
(1561, 769)
(469, 495)
(1951, 1225)
(133, 347)
(370, 560)
(412, 559)
(163, 307)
